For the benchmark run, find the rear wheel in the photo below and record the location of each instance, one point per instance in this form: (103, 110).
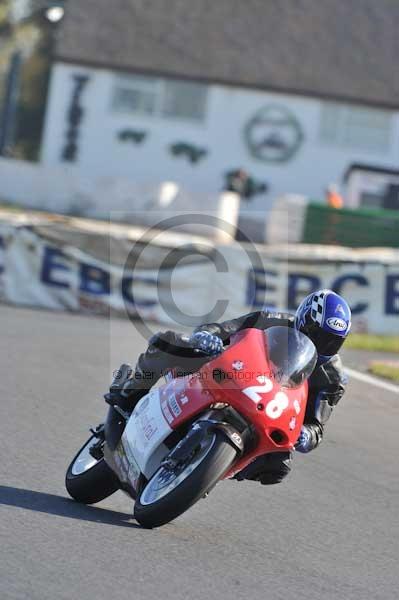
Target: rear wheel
(170, 492)
(90, 480)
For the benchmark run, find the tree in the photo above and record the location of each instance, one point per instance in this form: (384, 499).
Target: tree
(32, 38)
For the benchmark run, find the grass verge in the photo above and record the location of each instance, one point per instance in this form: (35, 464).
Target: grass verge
(376, 343)
(387, 370)
(10, 207)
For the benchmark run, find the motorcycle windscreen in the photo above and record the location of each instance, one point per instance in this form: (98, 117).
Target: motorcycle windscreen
(292, 356)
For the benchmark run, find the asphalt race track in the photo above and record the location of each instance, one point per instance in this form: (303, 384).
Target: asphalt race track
(329, 532)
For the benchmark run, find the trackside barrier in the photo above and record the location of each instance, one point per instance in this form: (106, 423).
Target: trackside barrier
(84, 266)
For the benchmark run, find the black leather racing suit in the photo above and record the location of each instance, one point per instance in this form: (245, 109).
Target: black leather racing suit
(169, 350)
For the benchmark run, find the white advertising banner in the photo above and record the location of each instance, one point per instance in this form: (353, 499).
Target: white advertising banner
(187, 288)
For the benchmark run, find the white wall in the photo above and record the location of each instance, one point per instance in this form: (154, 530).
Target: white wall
(100, 152)
(65, 189)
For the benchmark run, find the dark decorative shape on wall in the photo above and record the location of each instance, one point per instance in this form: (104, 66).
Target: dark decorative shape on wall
(240, 182)
(132, 135)
(74, 118)
(193, 153)
(273, 134)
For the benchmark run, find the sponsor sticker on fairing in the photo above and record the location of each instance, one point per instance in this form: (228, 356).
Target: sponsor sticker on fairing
(337, 324)
(134, 475)
(165, 409)
(143, 406)
(121, 460)
(174, 406)
(236, 438)
(168, 376)
(238, 365)
(149, 427)
(133, 468)
(145, 432)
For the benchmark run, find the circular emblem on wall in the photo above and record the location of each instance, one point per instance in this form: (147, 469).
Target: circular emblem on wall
(273, 134)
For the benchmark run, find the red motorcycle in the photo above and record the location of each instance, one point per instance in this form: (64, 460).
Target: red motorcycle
(186, 435)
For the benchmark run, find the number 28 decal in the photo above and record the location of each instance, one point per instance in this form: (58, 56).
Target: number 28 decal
(274, 408)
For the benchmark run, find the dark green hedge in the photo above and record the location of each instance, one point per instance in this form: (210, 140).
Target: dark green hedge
(351, 227)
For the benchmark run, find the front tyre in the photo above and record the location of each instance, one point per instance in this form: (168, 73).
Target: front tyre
(169, 493)
(89, 480)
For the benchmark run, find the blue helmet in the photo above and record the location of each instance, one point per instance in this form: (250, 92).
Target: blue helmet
(325, 317)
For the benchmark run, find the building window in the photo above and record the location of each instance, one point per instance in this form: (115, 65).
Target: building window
(135, 94)
(184, 100)
(159, 97)
(355, 127)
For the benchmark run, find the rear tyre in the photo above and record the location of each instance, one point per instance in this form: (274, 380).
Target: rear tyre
(168, 494)
(89, 480)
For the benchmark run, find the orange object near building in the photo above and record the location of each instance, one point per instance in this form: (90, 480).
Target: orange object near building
(334, 198)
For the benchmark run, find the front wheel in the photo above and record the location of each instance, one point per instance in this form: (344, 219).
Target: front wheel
(169, 493)
(90, 480)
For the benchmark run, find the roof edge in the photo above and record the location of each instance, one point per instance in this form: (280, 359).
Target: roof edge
(228, 83)
(369, 168)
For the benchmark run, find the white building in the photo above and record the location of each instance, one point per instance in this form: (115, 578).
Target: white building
(294, 92)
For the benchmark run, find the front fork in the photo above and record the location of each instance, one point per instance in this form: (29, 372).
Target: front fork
(227, 420)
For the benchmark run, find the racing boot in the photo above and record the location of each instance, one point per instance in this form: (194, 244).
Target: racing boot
(127, 388)
(166, 351)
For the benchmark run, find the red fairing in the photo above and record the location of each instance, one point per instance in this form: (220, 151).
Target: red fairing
(241, 377)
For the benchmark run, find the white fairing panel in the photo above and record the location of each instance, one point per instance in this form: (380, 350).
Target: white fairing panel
(145, 431)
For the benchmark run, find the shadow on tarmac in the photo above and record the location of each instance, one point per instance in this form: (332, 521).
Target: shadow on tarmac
(62, 507)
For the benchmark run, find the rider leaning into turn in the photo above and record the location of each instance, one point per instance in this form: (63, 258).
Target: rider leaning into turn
(323, 316)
